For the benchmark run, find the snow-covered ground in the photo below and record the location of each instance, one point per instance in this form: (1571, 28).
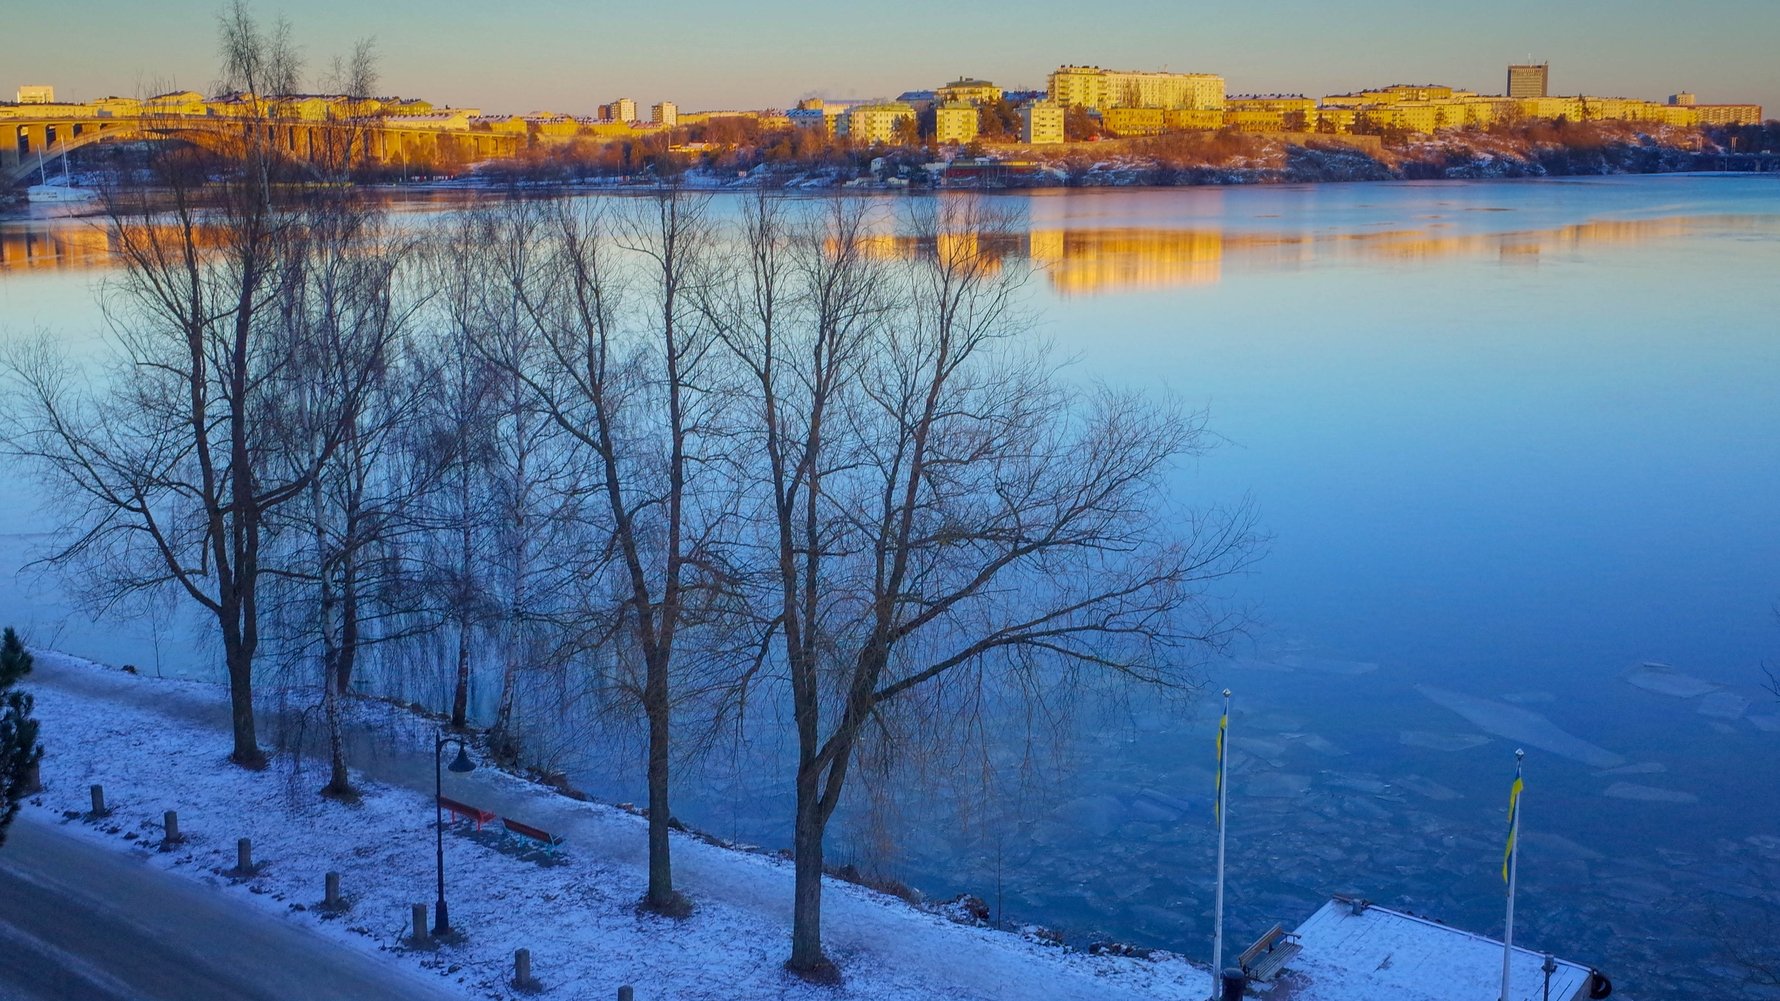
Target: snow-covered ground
(159, 745)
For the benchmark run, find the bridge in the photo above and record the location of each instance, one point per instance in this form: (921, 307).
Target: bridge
(29, 146)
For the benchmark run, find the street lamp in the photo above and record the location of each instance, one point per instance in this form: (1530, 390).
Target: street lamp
(461, 763)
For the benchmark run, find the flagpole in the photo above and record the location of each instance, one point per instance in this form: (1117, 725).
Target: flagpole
(1217, 935)
(1513, 872)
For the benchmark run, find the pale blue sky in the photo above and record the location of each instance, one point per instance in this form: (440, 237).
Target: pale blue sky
(570, 56)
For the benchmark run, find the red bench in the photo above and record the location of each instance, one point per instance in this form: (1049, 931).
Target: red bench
(467, 812)
(549, 842)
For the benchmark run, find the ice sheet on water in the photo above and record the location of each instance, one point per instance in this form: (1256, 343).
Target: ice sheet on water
(1722, 705)
(1273, 785)
(1328, 665)
(1096, 815)
(1162, 806)
(1767, 724)
(1649, 794)
(1315, 744)
(1434, 741)
(1521, 725)
(1556, 846)
(1427, 787)
(1665, 680)
(1371, 785)
(1638, 768)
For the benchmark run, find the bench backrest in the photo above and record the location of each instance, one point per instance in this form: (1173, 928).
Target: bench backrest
(465, 808)
(529, 831)
(1264, 944)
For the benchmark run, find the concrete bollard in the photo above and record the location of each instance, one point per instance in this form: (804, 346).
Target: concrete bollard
(244, 856)
(420, 932)
(522, 967)
(170, 824)
(98, 801)
(626, 994)
(331, 897)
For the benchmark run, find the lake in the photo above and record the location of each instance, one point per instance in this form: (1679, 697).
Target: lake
(1512, 442)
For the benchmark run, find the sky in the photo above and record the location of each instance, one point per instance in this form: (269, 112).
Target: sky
(569, 55)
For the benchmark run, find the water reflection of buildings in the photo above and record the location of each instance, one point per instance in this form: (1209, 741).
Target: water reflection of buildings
(1086, 261)
(81, 243)
(1094, 261)
(57, 246)
(1078, 260)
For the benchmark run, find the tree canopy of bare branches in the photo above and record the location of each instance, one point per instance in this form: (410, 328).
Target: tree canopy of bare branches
(173, 465)
(933, 499)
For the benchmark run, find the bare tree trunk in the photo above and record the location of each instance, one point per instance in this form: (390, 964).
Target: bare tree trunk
(808, 832)
(661, 870)
(238, 660)
(466, 626)
(460, 698)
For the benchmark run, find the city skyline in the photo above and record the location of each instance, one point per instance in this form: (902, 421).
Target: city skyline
(464, 54)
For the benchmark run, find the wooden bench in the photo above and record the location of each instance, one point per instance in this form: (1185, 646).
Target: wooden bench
(544, 839)
(467, 812)
(1270, 953)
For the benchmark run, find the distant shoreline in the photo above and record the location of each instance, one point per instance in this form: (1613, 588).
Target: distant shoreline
(471, 190)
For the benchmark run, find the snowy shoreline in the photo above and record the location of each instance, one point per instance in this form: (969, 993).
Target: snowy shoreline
(159, 745)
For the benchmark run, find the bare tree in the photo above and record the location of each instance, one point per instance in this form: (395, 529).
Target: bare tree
(938, 501)
(168, 467)
(345, 329)
(510, 501)
(628, 377)
(352, 82)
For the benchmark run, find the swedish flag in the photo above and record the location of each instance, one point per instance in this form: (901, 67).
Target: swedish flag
(1513, 817)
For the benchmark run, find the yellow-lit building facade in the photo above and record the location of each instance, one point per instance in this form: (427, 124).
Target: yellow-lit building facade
(1429, 108)
(1276, 113)
(1727, 114)
(1193, 119)
(955, 122)
(1099, 89)
(1135, 121)
(968, 90)
(876, 123)
(816, 115)
(1041, 123)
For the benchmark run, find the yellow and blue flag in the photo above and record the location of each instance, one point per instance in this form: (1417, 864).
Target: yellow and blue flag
(1218, 793)
(1513, 817)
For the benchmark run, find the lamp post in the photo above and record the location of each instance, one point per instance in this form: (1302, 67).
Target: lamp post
(461, 763)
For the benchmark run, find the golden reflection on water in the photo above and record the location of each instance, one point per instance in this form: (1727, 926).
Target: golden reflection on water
(1095, 261)
(1090, 261)
(63, 245)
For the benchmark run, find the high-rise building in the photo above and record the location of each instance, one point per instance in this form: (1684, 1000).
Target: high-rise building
(1529, 80)
(37, 93)
(877, 123)
(622, 110)
(955, 122)
(667, 114)
(1093, 87)
(1041, 123)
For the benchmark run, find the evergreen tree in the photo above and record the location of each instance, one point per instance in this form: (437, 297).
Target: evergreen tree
(19, 749)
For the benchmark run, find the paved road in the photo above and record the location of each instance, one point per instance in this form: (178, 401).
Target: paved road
(82, 921)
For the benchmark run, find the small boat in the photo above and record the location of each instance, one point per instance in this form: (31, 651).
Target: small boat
(59, 193)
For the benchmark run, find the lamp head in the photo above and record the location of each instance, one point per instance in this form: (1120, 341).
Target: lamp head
(462, 762)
